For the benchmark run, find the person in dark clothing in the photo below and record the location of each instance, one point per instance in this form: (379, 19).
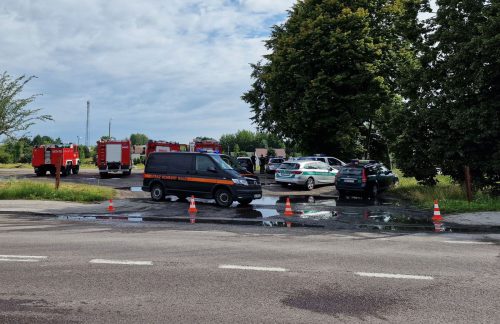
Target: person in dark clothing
(262, 163)
(254, 166)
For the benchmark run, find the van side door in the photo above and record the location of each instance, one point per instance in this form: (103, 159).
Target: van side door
(178, 173)
(206, 174)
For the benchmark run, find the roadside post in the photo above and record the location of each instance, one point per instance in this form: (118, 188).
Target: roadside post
(58, 172)
(468, 183)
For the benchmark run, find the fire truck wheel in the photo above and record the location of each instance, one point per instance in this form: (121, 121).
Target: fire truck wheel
(76, 169)
(157, 192)
(104, 175)
(223, 198)
(41, 172)
(52, 172)
(66, 171)
(127, 173)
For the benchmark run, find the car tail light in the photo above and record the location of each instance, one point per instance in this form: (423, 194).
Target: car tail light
(363, 176)
(297, 172)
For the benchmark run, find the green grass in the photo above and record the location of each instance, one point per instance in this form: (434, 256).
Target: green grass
(15, 166)
(451, 196)
(41, 190)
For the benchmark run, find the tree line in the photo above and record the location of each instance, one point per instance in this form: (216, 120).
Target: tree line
(372, 78)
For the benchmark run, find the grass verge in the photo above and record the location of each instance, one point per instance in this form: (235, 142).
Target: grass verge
(15, 166)
(451, 196)
(40, 190)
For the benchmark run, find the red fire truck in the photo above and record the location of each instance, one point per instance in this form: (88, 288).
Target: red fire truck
(163, 146)
(114, 156)
(46, 157)
(211, 146)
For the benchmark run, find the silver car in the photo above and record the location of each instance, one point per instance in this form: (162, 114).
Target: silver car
(305, 173)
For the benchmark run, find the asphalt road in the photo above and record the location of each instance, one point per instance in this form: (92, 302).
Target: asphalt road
(53, 271)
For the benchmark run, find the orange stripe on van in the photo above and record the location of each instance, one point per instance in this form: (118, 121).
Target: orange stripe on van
(189, 179)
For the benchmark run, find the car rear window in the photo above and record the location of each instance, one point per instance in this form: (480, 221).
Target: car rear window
(351, 171)
(290, 166)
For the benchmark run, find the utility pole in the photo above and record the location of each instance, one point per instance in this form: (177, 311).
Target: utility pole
(109, 128)
(87, 128)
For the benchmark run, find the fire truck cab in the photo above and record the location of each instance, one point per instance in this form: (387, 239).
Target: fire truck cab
(163, 146)
(114, 157)
(47, 157)
(208, 146)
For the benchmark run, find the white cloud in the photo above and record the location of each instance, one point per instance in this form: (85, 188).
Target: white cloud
(173, 70)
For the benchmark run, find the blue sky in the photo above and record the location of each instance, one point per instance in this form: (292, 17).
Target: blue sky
(170, 69)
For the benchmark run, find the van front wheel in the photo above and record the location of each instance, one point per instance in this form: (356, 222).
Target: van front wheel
(157, 192)
(223, 198)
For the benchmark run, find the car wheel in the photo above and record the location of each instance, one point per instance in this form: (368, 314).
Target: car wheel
(157, 192)
(244, 202)
(223, 198)
(310, 184)
(284, 185)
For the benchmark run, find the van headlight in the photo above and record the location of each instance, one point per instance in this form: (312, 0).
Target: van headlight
(242, 182)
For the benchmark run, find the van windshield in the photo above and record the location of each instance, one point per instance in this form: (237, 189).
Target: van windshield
(222, 164)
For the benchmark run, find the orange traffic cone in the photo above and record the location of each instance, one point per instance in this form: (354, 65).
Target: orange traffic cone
(192, 206)
(110, 206)
(437, 213)
(288, 208)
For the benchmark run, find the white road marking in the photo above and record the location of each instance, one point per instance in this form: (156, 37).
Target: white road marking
(393, 276)
(127, 262)
(22, 258)
(237, 267)
(19, 260)
(469, 242)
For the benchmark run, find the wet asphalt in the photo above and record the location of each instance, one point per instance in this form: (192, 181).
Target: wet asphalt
(319, 208)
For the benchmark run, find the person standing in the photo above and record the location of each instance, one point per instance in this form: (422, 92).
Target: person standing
(254, 166)
(262, 163)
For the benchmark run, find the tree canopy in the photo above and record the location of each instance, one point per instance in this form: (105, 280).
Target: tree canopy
(139, 139)
(14, 114)
(332, 66)
(452, 116)
(248, 141)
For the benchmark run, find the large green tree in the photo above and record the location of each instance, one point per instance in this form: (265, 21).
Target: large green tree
(332, 66)
(248, 141)
(451, 118)
(15, 116)
(139, 139)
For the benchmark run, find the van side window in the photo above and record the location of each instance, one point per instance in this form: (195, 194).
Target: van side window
(203, 163)
(157, 164)
(179, 163)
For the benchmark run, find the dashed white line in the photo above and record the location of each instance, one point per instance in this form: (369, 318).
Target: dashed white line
(238, 267)
(469, 242)
(393, 276)
(22, 258)
(126, 262)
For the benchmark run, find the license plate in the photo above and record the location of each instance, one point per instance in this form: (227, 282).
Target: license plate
(349, 180)
(257, 196)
